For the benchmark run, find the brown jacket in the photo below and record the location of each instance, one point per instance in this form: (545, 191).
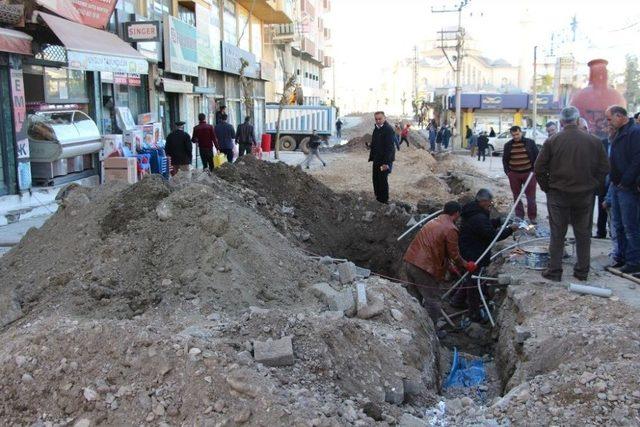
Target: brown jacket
(433, 247)
(572, 161)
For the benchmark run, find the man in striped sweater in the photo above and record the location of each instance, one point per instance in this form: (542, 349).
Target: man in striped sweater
(518, 158)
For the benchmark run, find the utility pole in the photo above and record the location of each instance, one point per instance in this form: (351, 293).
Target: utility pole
(415, 74)
(535, 90)
(459, 47)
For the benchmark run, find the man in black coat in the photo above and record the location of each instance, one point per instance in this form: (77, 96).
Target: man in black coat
(382, 153)
(179, 148)
(477, 231)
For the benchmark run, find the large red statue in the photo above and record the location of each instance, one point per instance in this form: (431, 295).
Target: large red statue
(593, 100)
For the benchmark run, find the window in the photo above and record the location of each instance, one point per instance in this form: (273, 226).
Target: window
(157, 8)
(243, 30)
(229, 22)
(63, 86)
(215, 16)
(256, 38)
(187, 15)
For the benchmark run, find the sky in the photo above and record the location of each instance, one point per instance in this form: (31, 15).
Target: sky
(368, 34)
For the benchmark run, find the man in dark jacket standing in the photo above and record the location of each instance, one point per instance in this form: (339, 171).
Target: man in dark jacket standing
(570, 169)
(382, 154)
(226, 135)
(625, 182)
(477, 231)
(222, 110)
(518, 158)
(205, 137)
(246, 137)
(179, 148)
(483, 145)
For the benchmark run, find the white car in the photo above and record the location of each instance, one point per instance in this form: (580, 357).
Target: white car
(496, 144)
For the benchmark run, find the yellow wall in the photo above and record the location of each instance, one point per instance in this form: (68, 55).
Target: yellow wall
(467, 119)
(517, 118)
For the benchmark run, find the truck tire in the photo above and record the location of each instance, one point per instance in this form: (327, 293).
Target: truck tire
(304, 144)
(287, 143)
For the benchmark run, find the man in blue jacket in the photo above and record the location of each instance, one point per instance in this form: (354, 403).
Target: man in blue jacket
(382, 153)
(225, 134)
(625, 195)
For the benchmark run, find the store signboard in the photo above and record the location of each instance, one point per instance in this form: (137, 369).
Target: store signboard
(181, 47)
(232, 61)
(543, 101)
(491, 102)
(147, 31)
(94, 13)
(18, 103)
(96, 62)
(208, 40)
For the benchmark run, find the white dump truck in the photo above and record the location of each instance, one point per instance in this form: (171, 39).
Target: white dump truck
(298, 122)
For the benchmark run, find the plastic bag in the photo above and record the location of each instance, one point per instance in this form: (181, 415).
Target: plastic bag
(465, 373)
(219, 159)
(236, 151)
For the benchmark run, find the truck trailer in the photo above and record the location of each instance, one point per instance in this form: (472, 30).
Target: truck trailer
(298, 122)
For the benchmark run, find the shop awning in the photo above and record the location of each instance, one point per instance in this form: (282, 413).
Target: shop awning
(15, 42)
(89, 49)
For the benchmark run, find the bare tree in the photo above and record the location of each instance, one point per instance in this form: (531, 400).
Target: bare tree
(288, 85)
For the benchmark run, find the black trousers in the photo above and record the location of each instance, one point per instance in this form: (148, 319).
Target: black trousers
(229, 153)
(207, 158)
(404, 139)
(482, 152)
(380, 183)
(602, 218)
(245, 148)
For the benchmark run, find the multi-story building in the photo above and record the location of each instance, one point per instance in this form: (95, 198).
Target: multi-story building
(301, 48)
(160, 60)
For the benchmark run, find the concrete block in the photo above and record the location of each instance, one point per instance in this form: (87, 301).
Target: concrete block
(344, 301)
(274, 353)
(522, 334)
(361, 295)
(347, 272)
(363, 272)
(324, 292)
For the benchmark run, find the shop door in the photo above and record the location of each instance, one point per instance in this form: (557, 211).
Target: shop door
(169, 111)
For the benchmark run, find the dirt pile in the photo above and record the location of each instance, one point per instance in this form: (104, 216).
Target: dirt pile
(342, 225)
(358, 143)
(158, 317)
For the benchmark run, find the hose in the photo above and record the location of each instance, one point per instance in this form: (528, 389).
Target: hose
(495, 239)
(423, 220)
(484, 302)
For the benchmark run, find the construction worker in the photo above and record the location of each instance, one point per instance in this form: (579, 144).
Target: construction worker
(427, 259)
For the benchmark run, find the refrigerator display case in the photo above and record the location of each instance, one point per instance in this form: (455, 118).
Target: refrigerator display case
(62, 143)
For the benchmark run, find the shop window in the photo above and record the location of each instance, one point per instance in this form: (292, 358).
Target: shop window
(62, 85)
(229, 22)
(244, 31)
(157, 8)
(256, 38)
(215, 15)
(187, 15)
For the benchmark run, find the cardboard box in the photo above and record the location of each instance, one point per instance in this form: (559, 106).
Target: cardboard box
(133, 139)
(121, 169)
(111, 144)
(152, 134)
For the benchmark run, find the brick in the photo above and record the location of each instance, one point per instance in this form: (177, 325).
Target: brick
(274, 353)
(361, 295)
(347, 272)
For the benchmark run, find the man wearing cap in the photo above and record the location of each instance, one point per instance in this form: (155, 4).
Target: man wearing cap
(571, 167)
(225, 134)
(205, 137)
(179, 147)
(427, 259)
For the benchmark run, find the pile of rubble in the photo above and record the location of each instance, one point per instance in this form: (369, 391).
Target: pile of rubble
(179, 303)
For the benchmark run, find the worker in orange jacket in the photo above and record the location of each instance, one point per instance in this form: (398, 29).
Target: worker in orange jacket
(427, 259)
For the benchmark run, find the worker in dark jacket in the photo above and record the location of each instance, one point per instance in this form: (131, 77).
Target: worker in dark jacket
(518, 158)
(246, 137)
(226, 135)
(477, 231)
(625, 183)
(483, 145)
(382, 154)
(205, 137)
(179, 148)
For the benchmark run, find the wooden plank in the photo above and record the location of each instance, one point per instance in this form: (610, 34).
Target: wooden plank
(624, 275)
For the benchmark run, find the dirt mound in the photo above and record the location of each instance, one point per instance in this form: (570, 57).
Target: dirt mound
(158, 318)
(359, 143)
(342, 225)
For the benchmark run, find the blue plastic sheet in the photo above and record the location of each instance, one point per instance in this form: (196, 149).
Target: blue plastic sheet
(465, 373)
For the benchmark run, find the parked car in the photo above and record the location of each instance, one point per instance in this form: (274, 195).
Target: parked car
(496, 144)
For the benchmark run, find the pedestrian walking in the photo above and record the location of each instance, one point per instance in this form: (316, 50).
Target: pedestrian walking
(314, 150)
(518, 157)
(570, 168)
(468, 135)
(473, 144)
(205, 137)
(429, 254)
(625, 182)
(246, 137)
(483, 145)
(382, 154)
(446, 136)
(339, 128)
(226, 135)
(433, 131)
(222, 110)
(492, 133)
(178, 146)
(404, 135)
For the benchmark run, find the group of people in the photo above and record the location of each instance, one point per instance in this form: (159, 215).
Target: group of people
(222, 137)
(478, 144)
(573, 168)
